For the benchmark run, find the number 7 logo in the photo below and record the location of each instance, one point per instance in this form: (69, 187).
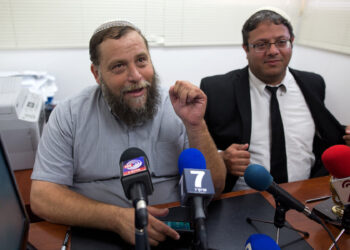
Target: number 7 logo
(199, 177)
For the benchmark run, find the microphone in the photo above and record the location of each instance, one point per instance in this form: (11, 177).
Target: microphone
(136, 182)
(257, 177)
(336, 160)
(261, 242)
(196, 180)
(196, 189)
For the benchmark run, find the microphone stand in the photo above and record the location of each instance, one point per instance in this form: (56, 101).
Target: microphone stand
(345, 223)
(139, 198)
(200, 242)
(279, 219)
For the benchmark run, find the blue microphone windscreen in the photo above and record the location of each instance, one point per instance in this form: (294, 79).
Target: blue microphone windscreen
(191, 158)
(257, 177)
(261, 242)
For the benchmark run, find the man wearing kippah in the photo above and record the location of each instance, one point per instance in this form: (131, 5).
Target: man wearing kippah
(268, 113)
(76, 177)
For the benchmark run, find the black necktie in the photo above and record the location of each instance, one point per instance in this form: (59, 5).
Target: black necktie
(278, 161)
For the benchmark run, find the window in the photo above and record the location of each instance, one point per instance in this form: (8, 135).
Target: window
(44, 24)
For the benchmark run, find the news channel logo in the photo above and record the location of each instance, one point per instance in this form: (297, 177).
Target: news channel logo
(134, 166)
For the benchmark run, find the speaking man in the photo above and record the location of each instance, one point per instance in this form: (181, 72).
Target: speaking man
(76, 177)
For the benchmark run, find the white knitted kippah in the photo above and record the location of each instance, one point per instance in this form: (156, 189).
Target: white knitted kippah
(277, 10)
(116, 23)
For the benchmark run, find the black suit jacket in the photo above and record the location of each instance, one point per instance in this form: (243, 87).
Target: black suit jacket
(228, 113)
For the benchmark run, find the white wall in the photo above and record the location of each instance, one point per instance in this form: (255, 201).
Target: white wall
(335, 70)
(72, 68)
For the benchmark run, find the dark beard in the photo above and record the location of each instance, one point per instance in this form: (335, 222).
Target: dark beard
(122, 110)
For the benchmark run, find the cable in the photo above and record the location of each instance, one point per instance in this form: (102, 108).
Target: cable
(330, 234)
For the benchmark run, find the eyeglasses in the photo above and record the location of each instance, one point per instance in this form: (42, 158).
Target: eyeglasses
(263, 46)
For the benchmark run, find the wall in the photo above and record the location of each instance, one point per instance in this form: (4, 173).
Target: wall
(72, 68)
(334, 68)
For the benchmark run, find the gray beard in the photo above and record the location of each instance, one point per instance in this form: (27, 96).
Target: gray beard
(124, 112)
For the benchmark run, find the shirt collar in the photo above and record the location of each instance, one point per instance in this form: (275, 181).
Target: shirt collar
(260, 85)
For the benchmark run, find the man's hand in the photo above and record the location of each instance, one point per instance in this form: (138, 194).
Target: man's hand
(58, 204)
(236, 158)
(189, 102)
(126, 224)
(346, 137)
(157, 230)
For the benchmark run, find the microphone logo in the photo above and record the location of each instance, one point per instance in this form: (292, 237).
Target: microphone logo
(345, 184)
(341, 190)
(134, 166)
(248, 247)
(199, 177)
(198, 181)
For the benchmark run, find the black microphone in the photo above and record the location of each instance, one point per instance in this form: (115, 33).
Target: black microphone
(259, 178)
(196, 190)
(136, 181)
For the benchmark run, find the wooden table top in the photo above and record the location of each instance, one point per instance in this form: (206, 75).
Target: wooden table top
(45, 235)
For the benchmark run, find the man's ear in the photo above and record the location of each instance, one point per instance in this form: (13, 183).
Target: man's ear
(246, 49)
(94, 71)
(291, 41)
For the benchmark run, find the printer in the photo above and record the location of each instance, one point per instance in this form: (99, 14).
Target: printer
(22, 118)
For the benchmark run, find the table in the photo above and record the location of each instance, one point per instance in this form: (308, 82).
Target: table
(45, 235)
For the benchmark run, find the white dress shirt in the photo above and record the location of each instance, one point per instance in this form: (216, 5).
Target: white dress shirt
(299, 128)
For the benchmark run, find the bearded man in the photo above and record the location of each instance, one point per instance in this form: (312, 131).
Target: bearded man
(76, 177)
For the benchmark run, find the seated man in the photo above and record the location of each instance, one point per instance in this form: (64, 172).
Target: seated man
(288, 141)
(76, 177)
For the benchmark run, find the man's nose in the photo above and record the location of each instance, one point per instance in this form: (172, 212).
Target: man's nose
(272, 49)
(134, 74)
